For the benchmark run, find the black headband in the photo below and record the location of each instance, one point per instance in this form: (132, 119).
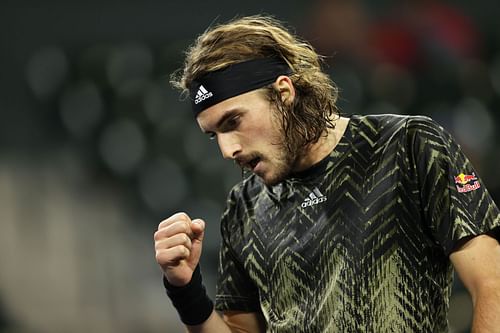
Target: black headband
(234, 80)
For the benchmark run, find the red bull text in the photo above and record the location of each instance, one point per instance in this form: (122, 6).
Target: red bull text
(467, 183)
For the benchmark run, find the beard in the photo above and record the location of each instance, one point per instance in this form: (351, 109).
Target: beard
(280, 164)
(283, 165)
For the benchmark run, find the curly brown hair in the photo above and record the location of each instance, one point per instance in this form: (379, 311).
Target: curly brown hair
(314, 107)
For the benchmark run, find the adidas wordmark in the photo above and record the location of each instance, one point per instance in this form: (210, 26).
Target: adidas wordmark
(315, 197)
(202, 95)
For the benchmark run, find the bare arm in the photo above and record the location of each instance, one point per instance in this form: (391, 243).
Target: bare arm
(231, 322)
(477, 263)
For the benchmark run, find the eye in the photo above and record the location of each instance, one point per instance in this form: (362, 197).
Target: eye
(211, 135)
(231, 124)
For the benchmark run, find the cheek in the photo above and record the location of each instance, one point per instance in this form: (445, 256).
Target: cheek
(262, 133)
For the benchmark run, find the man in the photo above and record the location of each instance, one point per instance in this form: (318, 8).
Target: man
(345, 224)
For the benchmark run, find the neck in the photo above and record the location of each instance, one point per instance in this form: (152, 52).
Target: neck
(317, 151)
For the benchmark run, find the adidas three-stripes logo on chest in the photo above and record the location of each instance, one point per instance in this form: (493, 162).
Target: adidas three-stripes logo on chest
(314, 198)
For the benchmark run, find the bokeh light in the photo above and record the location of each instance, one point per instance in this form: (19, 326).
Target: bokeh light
(47, 71)
(81, 109)
(122, 146)
(128, 65)
(474, 125)
(163, 185)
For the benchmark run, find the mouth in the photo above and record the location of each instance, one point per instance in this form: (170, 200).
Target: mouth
(253, 163)
(249, 163)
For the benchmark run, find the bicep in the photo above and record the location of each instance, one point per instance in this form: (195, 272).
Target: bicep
(477, 263)
(245, 322)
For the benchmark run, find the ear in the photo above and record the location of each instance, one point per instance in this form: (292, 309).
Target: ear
(285, 86)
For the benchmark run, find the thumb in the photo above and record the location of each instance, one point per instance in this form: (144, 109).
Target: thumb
(198, 229)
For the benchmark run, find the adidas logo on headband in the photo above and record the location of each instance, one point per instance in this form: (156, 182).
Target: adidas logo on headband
(202, 95)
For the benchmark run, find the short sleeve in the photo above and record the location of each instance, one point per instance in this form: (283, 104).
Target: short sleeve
(455, 201)
(235, 290)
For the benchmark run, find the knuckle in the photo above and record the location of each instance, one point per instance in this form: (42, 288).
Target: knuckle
(159, 245)
(187, 229)
(166, 222)
(159, 257)
(184, 251)
(178, 228)
(183, 216)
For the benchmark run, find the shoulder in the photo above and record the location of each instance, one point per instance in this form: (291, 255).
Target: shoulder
(380, 119)
(425, 131)
(423, 124)
(384, 129)
(384, 119)
(412, 125)
(385, 123)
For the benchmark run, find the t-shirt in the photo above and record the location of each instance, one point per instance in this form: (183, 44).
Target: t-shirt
(360, 241)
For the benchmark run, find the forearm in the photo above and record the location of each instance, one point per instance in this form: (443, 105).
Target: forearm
(486, 311)
(477, 262)
(214, 324)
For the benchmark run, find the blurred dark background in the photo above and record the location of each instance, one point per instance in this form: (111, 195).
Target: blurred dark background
(96, 148)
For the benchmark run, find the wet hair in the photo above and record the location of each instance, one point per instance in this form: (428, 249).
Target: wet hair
(314, 107)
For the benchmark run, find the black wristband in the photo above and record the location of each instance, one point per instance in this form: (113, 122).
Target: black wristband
(191, 301)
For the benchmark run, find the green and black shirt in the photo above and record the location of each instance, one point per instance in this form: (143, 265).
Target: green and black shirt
(360, 241)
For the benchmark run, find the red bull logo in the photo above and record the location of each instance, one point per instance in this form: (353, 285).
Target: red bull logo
(467, 183)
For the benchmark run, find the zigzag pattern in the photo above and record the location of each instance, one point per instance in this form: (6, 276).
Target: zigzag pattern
(374, 256)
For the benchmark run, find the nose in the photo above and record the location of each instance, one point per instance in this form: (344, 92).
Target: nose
(228, 145)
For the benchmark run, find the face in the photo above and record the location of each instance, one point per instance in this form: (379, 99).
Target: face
(248, 131)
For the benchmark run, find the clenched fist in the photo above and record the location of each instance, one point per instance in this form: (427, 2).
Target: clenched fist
(178, 243)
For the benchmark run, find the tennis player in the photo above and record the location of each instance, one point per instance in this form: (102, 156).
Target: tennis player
(344, 224)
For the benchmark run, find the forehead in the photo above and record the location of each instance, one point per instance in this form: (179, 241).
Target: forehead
(209, 117)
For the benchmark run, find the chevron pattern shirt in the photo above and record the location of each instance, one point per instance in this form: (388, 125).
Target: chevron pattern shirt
(360, 241)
